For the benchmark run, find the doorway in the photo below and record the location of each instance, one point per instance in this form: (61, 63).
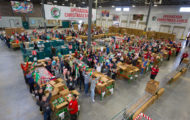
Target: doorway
(165, 28)
(179, 31)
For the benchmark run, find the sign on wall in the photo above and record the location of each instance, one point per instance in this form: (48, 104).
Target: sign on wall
(138, 17)
(105, 13)
(67, 13)
(171, 19)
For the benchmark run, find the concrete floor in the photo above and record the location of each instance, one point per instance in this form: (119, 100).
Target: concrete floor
(17, 103)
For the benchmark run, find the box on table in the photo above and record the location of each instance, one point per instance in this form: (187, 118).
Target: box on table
(64, 92)
(75, 92)
(68, 97)
(59, 106)
(60, 86)
(100, 88)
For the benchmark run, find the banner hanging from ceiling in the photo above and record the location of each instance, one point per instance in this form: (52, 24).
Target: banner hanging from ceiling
(53, 12)
(171, 19)
(22, 7)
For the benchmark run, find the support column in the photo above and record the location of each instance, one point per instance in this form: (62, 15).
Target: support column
(43, 14)
(89, 22)
(147, 19)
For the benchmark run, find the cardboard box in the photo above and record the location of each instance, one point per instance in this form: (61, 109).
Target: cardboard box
(55, 91)
(75, 92)
(62, 105)
(64, 92)
(186, 60)
(68, 97)
(152, 87)
(59, 86)
(60, 80)
(52, 82)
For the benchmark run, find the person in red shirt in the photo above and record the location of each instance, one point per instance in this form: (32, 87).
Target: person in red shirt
(169, 54)
(154, 72)
(185, 55)
(25, 69)
(73, 108)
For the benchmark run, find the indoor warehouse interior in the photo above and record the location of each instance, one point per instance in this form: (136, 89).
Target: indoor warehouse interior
(94, 59)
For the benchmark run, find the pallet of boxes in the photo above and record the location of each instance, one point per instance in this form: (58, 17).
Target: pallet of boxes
(152, 88)
(177, 75)
(61, 96)
(105, 85)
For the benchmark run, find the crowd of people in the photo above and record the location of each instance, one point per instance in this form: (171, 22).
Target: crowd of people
(126, 50)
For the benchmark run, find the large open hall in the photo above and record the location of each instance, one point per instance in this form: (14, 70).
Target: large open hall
(94, 59)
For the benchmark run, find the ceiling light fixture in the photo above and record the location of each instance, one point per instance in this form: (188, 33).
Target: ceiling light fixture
(55, 1)
(100, 6)
(133, 6)
(28, 0)
(113, 6)
(184, 9)
(155, 5)
(126, 9)
(83, 2)
(63, 4)
(117, 9)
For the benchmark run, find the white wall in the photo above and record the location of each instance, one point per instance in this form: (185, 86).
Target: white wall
(153, 25)
(7, 21)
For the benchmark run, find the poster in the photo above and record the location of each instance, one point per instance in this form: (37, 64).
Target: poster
(138, 17)
(171, 19)
(105, 13)
(53, 12)
(22, 7)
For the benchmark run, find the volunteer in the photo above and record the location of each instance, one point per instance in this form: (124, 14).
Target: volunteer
(73, 108)
(154, 72)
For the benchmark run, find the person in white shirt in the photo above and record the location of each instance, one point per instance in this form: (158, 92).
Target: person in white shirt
(99, 67)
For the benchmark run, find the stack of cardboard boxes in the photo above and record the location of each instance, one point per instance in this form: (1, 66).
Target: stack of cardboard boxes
(152, 87)
(127, 69)
(60, 92)
(104, 85)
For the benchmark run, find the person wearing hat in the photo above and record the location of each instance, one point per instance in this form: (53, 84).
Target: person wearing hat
(73, 108)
